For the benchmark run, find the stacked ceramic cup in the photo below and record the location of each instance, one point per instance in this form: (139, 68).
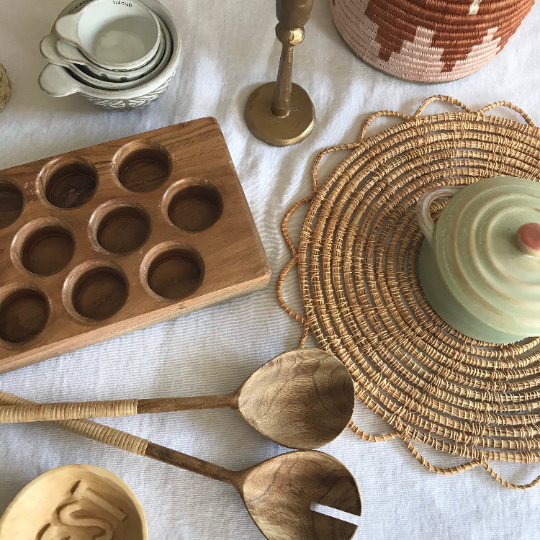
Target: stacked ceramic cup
(118, 54)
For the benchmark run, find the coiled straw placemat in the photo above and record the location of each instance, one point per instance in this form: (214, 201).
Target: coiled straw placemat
(5, 87)
(356, 261)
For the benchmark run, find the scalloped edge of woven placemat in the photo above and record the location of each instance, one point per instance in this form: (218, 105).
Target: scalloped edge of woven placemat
(478, 458)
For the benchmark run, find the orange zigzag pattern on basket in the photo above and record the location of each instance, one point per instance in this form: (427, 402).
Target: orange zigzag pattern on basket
(363, 303)
(448, 39)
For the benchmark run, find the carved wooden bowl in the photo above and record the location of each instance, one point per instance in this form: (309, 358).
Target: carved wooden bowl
(75, 501)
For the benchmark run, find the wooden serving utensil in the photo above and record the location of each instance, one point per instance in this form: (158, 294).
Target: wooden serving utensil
(278, 493)
(301, 399)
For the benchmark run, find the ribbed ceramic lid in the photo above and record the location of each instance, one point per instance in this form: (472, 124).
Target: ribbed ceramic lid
(491, 270)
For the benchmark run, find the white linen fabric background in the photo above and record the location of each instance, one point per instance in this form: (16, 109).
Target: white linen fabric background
(228, 49)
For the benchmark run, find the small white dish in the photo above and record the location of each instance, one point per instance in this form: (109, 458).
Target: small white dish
(71, 55)
(48, 50)
(57, 81)
(115, 34)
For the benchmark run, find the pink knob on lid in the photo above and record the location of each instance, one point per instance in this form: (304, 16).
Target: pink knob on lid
(528, 238)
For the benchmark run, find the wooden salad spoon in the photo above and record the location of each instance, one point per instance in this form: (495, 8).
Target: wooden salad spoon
(278, 493)
(301, 399)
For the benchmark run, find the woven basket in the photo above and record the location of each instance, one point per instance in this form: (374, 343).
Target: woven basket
(357, 268)
(435, 41)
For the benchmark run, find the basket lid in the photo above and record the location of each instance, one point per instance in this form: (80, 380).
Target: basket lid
(487, 247)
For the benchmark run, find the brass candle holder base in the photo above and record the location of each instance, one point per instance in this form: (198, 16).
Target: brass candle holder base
(275, 130)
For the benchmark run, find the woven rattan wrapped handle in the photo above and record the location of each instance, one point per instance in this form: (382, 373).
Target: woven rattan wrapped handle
(91, 430)
(55, 412)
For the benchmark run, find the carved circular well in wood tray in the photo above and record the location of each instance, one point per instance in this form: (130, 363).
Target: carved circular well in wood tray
(357, 264)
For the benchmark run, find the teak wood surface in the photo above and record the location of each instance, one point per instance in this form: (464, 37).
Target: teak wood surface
(103, 262)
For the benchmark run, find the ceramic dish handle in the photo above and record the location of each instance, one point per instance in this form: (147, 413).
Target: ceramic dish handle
(67, 27)
(69, 52)
(55, 81)
(423, 208)
(48, 51)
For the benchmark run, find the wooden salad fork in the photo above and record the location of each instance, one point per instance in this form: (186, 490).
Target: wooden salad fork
(278, 493)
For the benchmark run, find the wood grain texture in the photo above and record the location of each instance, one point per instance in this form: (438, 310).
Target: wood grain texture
(75, 501)
(279, 492)
(301, 399)
(54, 412)
(161, 405)
(118, 257)
(193, 464)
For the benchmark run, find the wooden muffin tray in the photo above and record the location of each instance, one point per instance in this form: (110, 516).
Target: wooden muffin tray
(115, 237)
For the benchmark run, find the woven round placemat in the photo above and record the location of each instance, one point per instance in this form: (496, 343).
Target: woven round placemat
(357, 258)
(5, 87)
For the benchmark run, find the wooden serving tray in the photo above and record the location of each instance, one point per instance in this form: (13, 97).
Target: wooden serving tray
(105, 240)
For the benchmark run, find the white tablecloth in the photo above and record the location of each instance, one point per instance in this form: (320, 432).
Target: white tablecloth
(228, 49)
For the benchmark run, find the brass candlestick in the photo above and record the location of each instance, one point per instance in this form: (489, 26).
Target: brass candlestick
(281, 113)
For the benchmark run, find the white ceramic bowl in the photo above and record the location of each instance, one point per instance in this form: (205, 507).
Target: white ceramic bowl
(70, 55)
(57, 82)
(49, 52)
(114, 34)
